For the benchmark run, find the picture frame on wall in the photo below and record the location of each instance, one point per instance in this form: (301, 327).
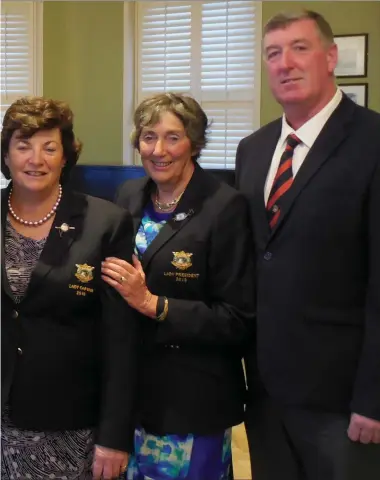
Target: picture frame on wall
(352, 55)
(358, 92)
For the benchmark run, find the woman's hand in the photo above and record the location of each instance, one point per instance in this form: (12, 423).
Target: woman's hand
(108, 463)
(129, 281)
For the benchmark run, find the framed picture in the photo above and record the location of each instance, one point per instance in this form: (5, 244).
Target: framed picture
(358, 92)
(352, 55)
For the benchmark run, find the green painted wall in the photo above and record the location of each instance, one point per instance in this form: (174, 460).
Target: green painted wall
(83, 65)
(344, 18)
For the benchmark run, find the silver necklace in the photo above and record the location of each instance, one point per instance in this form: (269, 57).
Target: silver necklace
(164, 207)
(37, 223)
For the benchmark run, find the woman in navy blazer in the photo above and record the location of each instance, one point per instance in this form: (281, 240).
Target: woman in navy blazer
(191, 279)
(68, 339)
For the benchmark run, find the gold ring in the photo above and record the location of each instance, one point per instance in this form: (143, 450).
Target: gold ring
(122, 279)
(123, 468)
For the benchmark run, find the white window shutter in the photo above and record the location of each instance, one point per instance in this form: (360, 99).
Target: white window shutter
(228, 50)
(18, 63)
(165, 47)
(230, 123)
(208, 49)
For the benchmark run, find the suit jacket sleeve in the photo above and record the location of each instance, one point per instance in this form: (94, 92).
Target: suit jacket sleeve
(366, 398)
(120, 194)
(120, 343)
(227, 316)
(254, 383)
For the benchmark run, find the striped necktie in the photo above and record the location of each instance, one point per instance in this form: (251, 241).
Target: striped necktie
(282, 181)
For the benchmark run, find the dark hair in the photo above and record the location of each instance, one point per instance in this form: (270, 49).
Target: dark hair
(184, 107)
(283, 20)
(32, 114)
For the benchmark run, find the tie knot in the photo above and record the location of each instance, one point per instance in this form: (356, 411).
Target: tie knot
(293, 140)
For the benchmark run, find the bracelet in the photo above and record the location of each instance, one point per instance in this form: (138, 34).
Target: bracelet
(164, 312)
(160, 306)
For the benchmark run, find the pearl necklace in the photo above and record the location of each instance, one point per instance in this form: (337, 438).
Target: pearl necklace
(27, 223)
(164, 207)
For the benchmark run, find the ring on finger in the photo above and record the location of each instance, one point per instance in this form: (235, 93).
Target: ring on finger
(122, 279)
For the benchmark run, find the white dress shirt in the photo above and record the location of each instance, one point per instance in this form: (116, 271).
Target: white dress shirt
(308, 133)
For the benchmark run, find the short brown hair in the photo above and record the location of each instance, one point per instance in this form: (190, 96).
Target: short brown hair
(32, 114)
(283, 20)
(184, 107)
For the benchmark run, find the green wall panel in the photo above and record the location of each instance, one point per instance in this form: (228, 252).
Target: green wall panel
(83, 64)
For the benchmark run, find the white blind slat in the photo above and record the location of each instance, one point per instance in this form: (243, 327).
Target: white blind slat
(230, 124)
(165, 48)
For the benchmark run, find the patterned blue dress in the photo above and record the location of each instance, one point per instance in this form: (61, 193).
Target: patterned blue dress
(189, 457)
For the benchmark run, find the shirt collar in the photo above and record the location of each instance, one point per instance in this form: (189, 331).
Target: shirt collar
(312, 128)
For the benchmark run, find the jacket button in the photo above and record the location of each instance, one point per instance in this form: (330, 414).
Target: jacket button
(14, 314)
(267, 255)
(19, 351)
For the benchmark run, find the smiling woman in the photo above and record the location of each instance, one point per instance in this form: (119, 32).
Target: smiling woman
(170, 132)
(192, 281)
(38, 150)
(78, 360)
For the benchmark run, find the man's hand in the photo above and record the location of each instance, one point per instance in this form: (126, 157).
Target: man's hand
(363, 429)
(108, 464)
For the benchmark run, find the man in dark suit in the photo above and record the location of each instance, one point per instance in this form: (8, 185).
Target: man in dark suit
(313, 182)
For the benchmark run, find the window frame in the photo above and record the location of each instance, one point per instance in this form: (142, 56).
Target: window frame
(130, 93)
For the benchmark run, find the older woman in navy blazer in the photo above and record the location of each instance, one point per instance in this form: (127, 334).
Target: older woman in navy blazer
(191, 279)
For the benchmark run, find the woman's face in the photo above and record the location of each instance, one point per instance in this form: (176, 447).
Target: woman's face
(166, 150)
(36, 163)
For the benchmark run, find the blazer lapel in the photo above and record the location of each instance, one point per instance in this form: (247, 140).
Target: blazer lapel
(4, 213)
(137, 203)
(190, 202)
(331, 136)
(70, 212)
(265, 151)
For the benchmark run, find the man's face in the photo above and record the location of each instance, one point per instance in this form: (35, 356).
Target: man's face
(300, 65)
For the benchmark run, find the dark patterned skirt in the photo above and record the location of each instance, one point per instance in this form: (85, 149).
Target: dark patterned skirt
(27, 454)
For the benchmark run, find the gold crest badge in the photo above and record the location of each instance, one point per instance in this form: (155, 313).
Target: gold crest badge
(84, 272)
(182, 260)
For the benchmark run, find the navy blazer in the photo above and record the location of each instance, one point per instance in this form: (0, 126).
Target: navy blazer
(192, 379)
(318, 297)
(69, 348)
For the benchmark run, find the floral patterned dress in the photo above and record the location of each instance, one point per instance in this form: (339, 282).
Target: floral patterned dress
(190, 457)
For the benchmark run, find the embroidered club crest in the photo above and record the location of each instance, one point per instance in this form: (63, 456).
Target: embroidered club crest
(182, 260)
(84, 272)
